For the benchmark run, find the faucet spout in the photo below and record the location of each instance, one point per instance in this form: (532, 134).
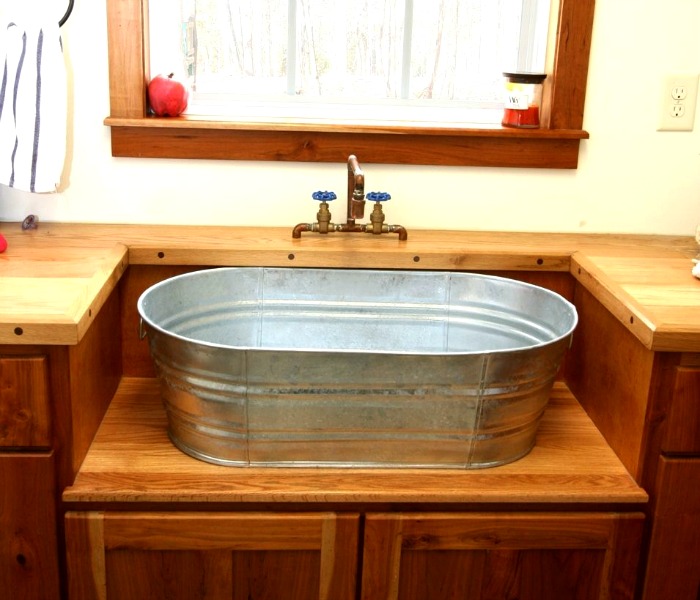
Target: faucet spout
(356, 190)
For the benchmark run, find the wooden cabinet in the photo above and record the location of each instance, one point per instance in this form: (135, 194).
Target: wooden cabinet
(314, 556)
(250, 556)
(540, 556)
(28, 535)
(673, 565)
(194, 530)
(51, 400)
(566, 516)
(647, 405)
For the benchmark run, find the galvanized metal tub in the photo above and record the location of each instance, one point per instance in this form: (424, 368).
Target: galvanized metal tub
(324, 367)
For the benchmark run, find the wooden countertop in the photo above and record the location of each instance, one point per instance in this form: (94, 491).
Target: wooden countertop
(132, 460)
(53, 280)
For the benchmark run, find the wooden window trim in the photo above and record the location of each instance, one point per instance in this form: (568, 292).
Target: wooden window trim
(554, 145)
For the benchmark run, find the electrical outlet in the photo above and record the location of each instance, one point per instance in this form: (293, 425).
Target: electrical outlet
(679, 92)
(679, 95)
(677, 110)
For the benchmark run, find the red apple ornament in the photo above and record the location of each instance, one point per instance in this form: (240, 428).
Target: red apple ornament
(167, 95)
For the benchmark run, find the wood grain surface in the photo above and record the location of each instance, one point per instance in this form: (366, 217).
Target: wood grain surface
(132, 460)
(54, 279)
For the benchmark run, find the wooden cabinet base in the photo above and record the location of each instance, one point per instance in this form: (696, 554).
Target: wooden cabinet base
(300, 556)
(145, 516)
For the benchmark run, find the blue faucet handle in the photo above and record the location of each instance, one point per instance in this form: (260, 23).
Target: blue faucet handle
(324, 196)
(378, 196)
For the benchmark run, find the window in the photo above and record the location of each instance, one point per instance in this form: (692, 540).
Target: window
(555, 145)
(381, 60)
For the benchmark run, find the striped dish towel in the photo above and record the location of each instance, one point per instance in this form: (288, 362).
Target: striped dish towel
(33, 105)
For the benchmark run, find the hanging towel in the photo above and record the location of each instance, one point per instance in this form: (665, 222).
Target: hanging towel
(33, 104)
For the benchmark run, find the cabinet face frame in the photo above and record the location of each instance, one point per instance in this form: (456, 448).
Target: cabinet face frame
(92, 536)
(490, 546)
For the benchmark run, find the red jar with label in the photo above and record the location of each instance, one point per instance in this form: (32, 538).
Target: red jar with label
(523, 100)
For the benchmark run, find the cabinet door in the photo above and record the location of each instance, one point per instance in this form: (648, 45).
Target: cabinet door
(24, 402)
(483, 556)
(673, 565)
(251, 556)
(28, 546)
(683, 423)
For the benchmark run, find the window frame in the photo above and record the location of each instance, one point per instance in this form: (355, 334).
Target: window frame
(555, 144)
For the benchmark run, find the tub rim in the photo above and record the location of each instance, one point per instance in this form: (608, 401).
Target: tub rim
(144, 319)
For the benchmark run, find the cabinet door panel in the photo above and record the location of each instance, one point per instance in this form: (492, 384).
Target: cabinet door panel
(543, 574)
(482, 556)
(448, 574)
(28, 540)
(213, 574)
(276, 574)
(683, 425)
(168, 574)
(673, 567)
(522, 574)
(192, 556)
(24, 402)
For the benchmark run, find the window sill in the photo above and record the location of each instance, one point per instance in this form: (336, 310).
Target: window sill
(325, 141)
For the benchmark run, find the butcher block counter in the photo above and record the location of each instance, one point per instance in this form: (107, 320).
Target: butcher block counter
(56, 278)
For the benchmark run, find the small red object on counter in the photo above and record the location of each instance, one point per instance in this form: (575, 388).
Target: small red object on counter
(3, 243)
(523, 100)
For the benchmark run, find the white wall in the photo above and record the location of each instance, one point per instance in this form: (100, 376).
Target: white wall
(631, 178)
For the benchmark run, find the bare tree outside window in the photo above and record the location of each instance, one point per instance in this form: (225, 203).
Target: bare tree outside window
(366, 53)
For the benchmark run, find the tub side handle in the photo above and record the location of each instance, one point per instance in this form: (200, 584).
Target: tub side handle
(142, 329)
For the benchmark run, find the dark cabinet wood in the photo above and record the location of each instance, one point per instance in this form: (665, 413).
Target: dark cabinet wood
(673, 564)
(24, 402)
(682, 430)
(191, 556)
(483, 556)
(28, 536)
(314, 556)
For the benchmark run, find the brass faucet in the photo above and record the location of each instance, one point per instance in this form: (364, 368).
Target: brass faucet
(356, 190)
(355, 209)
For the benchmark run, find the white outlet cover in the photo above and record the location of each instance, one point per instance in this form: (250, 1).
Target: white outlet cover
(675, 114)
